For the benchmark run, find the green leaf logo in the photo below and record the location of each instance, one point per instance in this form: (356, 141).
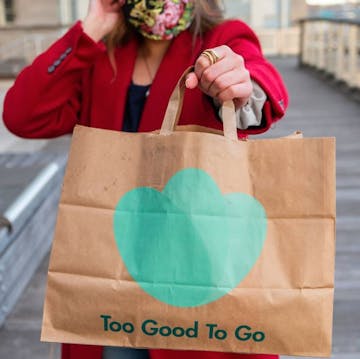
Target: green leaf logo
(189, 245)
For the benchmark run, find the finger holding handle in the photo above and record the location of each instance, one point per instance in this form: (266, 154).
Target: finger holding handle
(174, 108)
(222, 74)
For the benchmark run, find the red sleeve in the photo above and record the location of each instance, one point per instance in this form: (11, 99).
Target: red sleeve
(45, 100)
(242, 40)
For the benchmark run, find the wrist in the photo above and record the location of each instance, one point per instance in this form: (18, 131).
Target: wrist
(92, 29)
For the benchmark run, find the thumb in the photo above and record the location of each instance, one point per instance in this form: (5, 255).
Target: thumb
(191, 81)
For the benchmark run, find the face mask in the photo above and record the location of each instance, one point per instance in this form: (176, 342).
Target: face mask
(159, 19)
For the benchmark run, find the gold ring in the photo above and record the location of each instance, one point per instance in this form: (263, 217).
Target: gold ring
(211, 55)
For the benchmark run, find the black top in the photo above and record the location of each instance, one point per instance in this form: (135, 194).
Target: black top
(135, 102)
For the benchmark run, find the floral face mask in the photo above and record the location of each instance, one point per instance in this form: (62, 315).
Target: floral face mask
(159, 19)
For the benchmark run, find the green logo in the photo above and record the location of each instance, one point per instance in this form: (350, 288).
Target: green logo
(189, 245)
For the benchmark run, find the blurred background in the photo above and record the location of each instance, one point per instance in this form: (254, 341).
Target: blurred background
(315, 44)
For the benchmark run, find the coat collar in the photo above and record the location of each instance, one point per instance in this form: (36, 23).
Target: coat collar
(180, 55)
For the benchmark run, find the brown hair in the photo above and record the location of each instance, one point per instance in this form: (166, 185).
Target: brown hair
(208, 13)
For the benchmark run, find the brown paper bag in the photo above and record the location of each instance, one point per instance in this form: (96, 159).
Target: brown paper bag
(194, 240)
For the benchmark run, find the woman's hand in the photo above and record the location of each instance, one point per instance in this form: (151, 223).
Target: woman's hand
(225, 80)
(102, 17)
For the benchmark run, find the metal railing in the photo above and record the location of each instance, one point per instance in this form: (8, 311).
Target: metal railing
(332, 46)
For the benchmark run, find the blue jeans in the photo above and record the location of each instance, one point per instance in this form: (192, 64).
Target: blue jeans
(124, 353)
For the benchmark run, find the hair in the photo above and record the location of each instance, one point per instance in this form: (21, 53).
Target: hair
(207, 14)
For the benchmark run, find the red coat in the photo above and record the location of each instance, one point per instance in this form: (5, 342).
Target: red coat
(73, 82)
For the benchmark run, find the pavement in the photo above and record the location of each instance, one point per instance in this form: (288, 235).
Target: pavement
(20, 336)
(318, 108)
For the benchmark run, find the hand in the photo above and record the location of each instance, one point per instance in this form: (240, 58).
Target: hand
(227, 79)
(102, 17)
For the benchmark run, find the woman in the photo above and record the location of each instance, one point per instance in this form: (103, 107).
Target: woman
(125, 83)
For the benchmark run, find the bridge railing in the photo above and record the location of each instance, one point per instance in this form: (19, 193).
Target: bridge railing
(19, 45)
(332, 46)
(280, 42)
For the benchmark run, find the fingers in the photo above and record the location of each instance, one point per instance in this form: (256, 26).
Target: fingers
(101, 19)
(93, 4)
(239, 92)
(228, 79)
(212, 76)
(203, 62)
(113, 5)
(191, 81)
(100, 6)
(225, 80)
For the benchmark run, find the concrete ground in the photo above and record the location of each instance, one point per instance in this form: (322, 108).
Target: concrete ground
(20, 336)
(318, 108)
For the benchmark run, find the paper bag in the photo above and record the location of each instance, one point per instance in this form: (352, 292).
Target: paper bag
(194, 241)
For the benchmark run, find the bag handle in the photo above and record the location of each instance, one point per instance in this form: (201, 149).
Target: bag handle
(175, 104)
